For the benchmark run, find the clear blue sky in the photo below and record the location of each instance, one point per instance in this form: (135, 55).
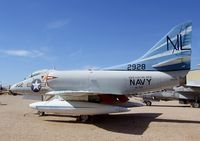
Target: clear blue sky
(81, 34)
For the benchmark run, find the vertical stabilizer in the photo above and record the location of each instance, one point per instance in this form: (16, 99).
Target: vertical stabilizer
(171, 53)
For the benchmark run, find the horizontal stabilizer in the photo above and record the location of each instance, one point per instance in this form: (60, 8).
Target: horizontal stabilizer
(193, 83)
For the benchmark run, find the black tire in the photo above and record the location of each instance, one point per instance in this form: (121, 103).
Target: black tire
(82, 118)
(148, 103)
(195, 105)
(41, 113)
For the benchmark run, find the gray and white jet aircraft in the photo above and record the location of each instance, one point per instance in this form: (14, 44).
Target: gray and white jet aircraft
(106, 90)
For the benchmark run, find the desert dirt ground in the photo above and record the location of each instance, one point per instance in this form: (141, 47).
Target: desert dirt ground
(164, 121)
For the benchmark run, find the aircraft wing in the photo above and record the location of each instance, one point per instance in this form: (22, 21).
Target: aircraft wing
(69, 93)
(76, 93)
(108, 98)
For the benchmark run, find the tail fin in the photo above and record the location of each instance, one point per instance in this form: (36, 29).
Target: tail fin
(171, 53)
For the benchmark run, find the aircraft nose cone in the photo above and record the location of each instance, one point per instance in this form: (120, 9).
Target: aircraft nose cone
(13, 89)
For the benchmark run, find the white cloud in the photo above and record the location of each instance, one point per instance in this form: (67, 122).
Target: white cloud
(58, 24)
(23, 53)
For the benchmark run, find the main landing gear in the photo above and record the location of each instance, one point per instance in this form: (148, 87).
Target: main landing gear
(148, 103)
(84, 118)
(195, 104)
(41, 113)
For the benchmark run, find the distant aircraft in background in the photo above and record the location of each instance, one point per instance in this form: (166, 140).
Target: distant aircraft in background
(103, 91)
(188, 94)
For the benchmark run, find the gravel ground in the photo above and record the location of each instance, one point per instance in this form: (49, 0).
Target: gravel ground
(164, 121)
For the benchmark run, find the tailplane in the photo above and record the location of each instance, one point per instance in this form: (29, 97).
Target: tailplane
(171, 53)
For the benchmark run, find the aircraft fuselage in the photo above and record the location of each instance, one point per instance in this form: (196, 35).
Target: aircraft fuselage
(102, 82)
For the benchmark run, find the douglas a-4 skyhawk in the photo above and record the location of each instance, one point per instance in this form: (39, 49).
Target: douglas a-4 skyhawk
(93, 92)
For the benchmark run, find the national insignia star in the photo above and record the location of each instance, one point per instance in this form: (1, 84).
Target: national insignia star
(36, 85)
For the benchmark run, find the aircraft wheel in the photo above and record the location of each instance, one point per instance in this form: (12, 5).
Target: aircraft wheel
(83, 118)
(41, 113)
(195, 105)
(148, 103)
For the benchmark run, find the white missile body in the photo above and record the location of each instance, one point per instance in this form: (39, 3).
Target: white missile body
(76, 108)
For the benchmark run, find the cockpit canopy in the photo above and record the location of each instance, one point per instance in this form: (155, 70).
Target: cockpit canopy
(37, 73)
